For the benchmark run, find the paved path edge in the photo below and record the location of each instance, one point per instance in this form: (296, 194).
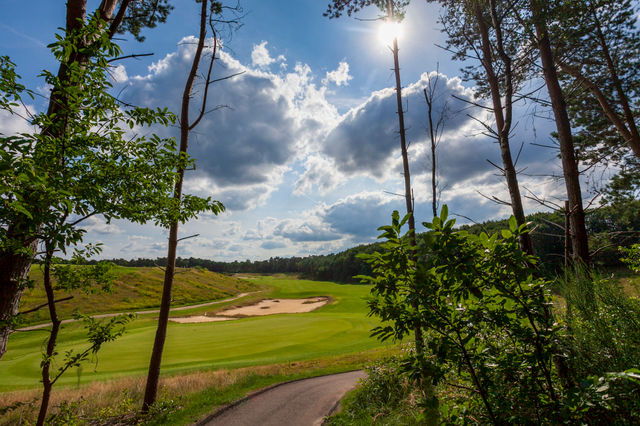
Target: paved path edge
(247, 397)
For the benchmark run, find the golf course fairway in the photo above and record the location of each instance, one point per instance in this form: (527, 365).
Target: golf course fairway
(340, 327)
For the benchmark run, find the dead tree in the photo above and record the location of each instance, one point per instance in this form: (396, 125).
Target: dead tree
(435, 134)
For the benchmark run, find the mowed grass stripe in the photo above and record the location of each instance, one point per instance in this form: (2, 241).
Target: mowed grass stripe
(342, 327)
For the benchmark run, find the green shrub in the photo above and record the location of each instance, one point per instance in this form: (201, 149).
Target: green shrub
(386, 396)
(603, 324)
(489, 330)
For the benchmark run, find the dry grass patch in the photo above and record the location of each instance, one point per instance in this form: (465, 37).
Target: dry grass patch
(139, 289)
(118, 401)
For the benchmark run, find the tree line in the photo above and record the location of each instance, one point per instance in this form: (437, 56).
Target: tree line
(609, 228)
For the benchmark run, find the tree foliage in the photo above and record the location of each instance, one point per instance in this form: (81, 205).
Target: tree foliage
(90, 160)
(35, 165)
(491, 330)
(597, 47)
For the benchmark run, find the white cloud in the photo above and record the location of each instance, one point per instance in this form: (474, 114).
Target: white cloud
(261, 58)
(276, 133)
(100, 226)
(366, 140)
(339, 76)
(321, 174)
(12, 124)
(309, 230)
(118, 74)
(264, 122)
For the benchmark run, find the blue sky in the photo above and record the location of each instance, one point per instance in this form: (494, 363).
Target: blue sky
(306, 156)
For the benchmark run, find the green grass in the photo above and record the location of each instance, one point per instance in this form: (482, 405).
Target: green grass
(137, 288)
(183, 398)
(342, 327)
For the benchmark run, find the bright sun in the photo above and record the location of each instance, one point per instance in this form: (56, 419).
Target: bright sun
(388, 31)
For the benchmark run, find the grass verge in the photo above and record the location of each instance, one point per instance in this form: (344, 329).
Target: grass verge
(184, 398)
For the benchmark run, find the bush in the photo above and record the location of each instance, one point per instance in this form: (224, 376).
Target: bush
(489, 330)
(386, 396)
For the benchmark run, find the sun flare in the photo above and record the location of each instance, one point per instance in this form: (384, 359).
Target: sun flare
(388, 31)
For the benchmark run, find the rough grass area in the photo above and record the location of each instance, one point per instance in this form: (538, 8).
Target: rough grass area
(342, 327)
(629, 282)
(138, 288)
(184, 398)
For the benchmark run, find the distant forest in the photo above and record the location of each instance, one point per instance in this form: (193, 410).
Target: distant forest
(608, 228)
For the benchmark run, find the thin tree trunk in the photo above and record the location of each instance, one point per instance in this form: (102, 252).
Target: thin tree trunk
(419, 340)
(567, 235)
(503, 114)
(481, 390)
(434, 195)
(153, 376)
(579, 239)
(47, 384)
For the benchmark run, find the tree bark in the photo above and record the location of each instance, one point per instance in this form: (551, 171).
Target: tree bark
(153, 376)
(626, 124)
(14, 273)
(417, 330)
(579, 239)
(47, 384)
(503, 114)
(15, 266)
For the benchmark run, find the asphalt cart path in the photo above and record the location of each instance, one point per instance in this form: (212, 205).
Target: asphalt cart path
(300, 403)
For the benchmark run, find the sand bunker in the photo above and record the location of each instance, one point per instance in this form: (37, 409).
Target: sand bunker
(199, 318)
(264, 307)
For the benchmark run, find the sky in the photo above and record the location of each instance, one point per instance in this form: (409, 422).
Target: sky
(304, 151)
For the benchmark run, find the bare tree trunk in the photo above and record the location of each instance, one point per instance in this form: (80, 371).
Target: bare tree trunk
(153, 376)
(503, 113)
(428, 97)
(51, 343)
(579, 239)
(419, 340)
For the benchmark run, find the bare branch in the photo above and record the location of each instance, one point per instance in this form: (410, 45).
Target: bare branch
(190, 236)
(44, 305)
(134, 56)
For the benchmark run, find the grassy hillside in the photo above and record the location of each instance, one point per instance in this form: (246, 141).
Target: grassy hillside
(341, 327)
(138, 288)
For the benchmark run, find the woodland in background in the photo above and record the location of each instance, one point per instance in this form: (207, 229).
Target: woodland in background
(608, 227)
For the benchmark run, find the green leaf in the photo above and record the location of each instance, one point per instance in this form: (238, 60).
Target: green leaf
(444, 213)
(20, 208)
(513, 224)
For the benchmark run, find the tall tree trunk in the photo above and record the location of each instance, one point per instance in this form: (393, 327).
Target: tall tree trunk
(417, 330)
(503, 113)
(14, 263)
(153, 376)
(569, 165)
